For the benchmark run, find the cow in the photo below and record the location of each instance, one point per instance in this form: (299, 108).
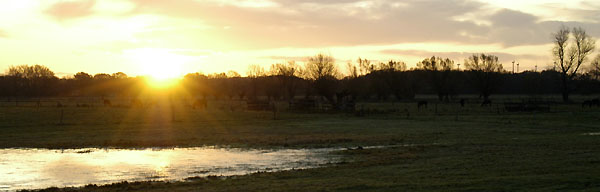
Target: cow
(591, 103)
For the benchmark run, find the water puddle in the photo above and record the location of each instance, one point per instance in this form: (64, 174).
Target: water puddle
(42, 168)
(595, 133)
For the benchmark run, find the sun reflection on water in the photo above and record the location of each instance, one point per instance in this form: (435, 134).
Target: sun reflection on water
(42, 168)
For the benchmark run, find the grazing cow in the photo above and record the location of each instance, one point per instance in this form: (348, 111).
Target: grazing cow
(107, 103)
(462, 102)
(486, 102)
(422, 104)
(591, 103)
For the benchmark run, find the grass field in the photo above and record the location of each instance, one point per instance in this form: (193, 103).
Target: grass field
(464, 149)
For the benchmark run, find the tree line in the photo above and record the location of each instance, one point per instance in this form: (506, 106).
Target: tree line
(320, 77)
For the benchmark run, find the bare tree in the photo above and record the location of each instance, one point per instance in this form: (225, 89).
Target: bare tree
(391, 78)
(485, 71)
(570, 58)
(102, 76)
(233, 85)
(232, 73)
(436, 64)
(322, 71)
(32, 80)
(287, 75)
(320, 66)
(26, 71)
(440, 71)
(83, 81)
(352, 70)
(254, 73)
(595, 67)
(392, 66)
(82, 76)
(119, 75)
(356, 82)
(365, 66)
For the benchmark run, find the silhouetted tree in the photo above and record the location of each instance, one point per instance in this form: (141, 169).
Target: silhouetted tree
(322, 71)
(82, 76)
(356, 83)
(83, 81)
(26, 71)
(119, 75)
(102, 76)
(440, 71)
(365, 67)
(233, 85)
(254, 73)
(287, 75)
(196, 83)
(33, 80)
(595, 67)
(392, 78)
(569, 59)
(485, 73)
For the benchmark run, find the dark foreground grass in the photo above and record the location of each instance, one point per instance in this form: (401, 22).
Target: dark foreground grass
(473, 151)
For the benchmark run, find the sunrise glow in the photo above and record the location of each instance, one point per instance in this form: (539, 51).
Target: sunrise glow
(159, 64)
(169, 39)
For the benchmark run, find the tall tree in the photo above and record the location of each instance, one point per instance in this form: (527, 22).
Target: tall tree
(320, 66)
(83, 81)
(356, 83)
(365, 66)
(119, 75)
(255, 72)
(595, 67)
(32, 80)
(322, 71)
(391, 78)
(485, 73)
(29, 72)
(569, 59)
(440, 71)
(287, 75)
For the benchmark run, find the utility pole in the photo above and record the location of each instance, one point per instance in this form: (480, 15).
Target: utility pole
(535, 67)
(513, 71)
(517, 67)
(458, 66)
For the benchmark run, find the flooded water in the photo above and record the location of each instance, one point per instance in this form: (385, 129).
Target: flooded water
(42, 168)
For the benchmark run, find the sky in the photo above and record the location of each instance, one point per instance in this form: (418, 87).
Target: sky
(170, 38)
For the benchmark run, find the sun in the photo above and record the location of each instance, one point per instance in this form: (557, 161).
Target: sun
(162, 67)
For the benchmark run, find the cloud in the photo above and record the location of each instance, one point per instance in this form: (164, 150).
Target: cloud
(66, 10)
(515, 28)
(289, 23)
(326, 23)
